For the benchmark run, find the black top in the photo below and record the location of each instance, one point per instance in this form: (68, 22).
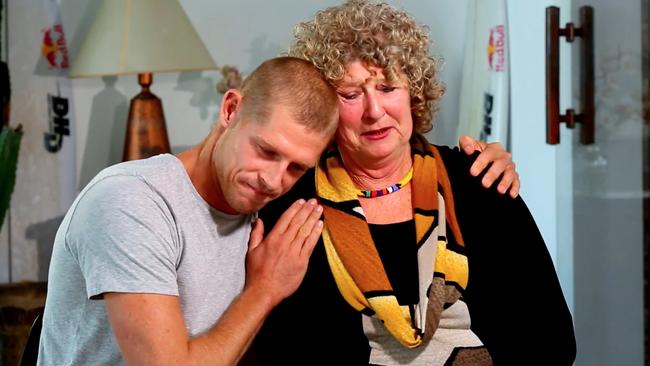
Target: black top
(395, 244)
(514, 297)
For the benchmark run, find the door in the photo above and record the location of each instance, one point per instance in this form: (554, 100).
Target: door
(608, 190)
(589, 201)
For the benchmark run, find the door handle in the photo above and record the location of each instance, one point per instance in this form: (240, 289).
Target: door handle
(570, 117)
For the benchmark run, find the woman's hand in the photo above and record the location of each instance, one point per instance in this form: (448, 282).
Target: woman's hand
(501, 166)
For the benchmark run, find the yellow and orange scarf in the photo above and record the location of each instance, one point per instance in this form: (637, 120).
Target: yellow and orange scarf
(355, 262)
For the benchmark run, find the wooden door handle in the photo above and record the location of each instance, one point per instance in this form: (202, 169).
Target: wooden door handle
(570, 117)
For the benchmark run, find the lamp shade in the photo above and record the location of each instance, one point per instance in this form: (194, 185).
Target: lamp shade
(137, 36)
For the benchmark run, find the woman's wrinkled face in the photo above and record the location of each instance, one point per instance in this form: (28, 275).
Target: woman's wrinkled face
(375, 122)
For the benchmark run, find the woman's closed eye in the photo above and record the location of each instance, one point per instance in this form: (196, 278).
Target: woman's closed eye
(384, 88)
(349, 96)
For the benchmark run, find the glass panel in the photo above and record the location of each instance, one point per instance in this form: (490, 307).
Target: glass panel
(608, 193)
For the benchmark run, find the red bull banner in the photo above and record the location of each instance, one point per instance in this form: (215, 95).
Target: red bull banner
(58, 130)
(485, 89)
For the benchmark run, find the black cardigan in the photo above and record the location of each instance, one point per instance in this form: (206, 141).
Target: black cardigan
(514, 297)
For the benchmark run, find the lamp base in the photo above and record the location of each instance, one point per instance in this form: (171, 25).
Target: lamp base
(146, 133)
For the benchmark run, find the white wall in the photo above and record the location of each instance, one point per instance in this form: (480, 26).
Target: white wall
(243, 34)
(528, 113)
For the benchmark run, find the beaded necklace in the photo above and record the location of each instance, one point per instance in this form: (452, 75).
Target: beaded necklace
(372, 193)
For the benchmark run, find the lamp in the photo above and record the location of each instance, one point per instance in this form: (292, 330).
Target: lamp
(141, 37)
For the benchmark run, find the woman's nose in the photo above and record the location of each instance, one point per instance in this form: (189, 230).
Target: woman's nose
(374, 107)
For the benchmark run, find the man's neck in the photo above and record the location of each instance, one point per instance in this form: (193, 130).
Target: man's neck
(199, 166)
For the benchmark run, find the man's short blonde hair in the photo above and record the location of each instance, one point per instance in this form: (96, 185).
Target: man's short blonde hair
(294, 83)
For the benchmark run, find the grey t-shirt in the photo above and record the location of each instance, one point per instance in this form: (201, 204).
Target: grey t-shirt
(138, 227)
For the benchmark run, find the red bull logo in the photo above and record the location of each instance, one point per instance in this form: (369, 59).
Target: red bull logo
(53, 48)
(496, 48)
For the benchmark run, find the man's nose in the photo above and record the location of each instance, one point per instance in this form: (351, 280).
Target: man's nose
(271, 179)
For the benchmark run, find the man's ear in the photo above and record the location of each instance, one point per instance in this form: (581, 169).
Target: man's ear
(231, 104)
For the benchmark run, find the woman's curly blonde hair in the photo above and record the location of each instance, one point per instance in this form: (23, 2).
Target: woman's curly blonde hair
(375, 34)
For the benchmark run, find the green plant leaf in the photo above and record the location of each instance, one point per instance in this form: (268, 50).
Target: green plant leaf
(9, 147)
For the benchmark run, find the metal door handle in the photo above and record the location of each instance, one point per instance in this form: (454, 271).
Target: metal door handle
(571, 118)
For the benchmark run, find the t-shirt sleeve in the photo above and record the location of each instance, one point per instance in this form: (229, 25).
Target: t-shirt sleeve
(123, 236)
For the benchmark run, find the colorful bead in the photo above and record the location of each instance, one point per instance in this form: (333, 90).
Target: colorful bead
(388, 190)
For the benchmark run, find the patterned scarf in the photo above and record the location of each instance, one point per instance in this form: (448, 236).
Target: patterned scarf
(355, 262)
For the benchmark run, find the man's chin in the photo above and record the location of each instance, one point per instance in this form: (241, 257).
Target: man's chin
(250, 207)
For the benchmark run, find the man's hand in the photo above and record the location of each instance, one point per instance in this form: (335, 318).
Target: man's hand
(276, 265)
(501, 160)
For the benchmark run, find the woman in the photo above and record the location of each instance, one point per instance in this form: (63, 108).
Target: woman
(417, 264)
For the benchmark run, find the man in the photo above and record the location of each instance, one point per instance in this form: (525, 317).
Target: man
(162, 241)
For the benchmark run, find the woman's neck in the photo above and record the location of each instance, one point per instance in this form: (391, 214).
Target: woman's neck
(377, 174)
